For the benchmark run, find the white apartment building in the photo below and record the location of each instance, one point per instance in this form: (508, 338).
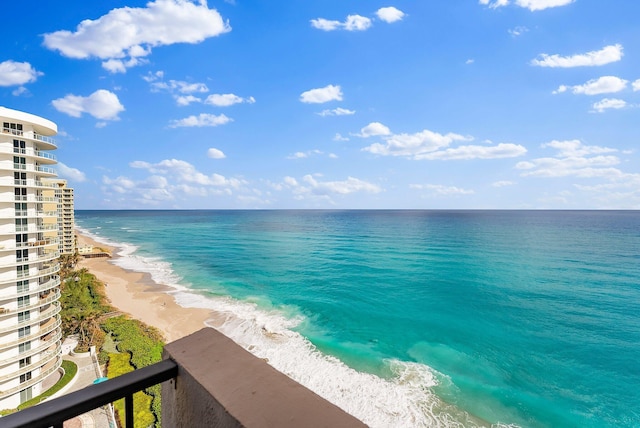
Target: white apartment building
(66, 218)
(30, 334)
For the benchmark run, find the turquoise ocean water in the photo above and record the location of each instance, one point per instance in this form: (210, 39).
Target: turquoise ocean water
(416, 318)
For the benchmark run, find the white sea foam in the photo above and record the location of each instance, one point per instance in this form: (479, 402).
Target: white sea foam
(405, 400)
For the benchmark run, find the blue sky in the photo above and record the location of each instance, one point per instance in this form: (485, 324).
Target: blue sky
(334, 104)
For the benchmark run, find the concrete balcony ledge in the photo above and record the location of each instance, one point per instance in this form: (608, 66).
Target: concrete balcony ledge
(219, 384)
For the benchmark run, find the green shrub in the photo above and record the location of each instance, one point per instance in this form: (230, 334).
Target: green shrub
(139, 346)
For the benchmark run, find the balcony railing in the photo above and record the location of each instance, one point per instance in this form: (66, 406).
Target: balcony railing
(31, 134)
(55, 412)
(32, 152)
(228, 388)
(43, 375)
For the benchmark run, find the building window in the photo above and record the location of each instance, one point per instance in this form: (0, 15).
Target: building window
(25, 362)
(23, 271)
(24, 347)
(26, 394)
(23, 301)
(22, 286)
(22, 255)
(22, 225)
(19, 146)
(19, 162)
(25, 377)
(24, 316)
(21, 209)
(21, 193)
(24, 331)
(14, 128)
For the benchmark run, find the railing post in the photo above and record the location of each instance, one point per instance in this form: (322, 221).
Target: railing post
(128, 411)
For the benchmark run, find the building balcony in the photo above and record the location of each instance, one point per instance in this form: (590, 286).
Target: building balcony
(35, 213)
(51, 325)
(43, 301)
(43, 363)
(37, 258)
(44, 316)
(33, 228)
(51, 283)
(47, 350)
(31, 183)
(45, 170)
(37, 243)
(44, 373)
(44, 157)
(45, 143)
(228, 388)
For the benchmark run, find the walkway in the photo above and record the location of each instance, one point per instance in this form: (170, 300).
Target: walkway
(88, 371)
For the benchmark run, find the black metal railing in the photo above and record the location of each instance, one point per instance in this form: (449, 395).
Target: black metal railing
(53, 413)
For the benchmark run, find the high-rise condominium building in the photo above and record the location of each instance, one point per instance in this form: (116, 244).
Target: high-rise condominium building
(30, 335)
(63, 203)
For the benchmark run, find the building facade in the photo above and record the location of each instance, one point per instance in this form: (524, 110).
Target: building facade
(30, 334)
(63, 204)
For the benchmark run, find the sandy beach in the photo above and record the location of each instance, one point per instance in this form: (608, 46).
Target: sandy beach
(136, 294)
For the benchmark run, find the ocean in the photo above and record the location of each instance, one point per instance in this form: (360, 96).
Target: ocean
(416, 318)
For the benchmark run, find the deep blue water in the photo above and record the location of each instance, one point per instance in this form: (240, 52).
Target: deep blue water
(529, 318)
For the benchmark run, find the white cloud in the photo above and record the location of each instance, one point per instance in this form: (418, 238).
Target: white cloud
(290, 181)
(493, 4)
(325, 24)
(214, 153)
(574, 159)
(429, 145)
(502, 183)
(102, 104)
(606, 55)
(345, 187)
(636, 85)
(352, 23)
(608, 104)
(412, 145)
(310, 187)
(575, 148)
(339, 137)
(322, 95)
(69, 173)
(17, 73)
(225, 100)
(20, 90)
(337, 112)
(518, 31)
(203, 119)
(390, 14)
(470, 61)
(124, 36)
(176, 85)
(374, 129)
(502, 150)
(602, 85)
(302, 155)
(532, 5)
(183, 172)
(185, 100)
(442, 190)
(357, 23)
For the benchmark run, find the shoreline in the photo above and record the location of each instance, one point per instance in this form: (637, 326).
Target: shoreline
(139, 296)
